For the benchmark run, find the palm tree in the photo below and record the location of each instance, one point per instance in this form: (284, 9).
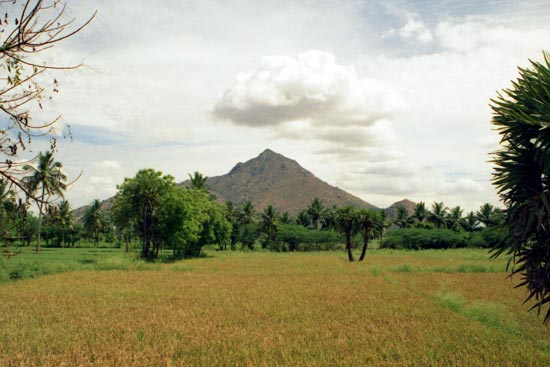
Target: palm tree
(286, 218)
(198, 181)
(368, 222)
(248, 213)
(346, 220)
(65, 218)
(438, 216)
(47, 179)
(487, 215)
(454, 218)
(420, 213)
(269, 220)
(402, 218)
(470, 223)
(303, 219)
(94, 220)
(315, 211)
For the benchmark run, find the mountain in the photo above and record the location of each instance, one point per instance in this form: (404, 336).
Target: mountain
(392, 210)
(272, 178)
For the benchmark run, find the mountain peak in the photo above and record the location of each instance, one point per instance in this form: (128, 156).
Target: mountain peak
(272, 178)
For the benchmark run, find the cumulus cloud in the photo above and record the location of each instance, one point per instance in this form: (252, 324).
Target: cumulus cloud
(312, 87)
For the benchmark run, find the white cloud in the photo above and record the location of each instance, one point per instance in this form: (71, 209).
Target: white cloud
(312, 87)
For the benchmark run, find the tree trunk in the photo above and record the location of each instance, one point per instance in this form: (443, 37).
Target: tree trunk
(365, 245)
(127, 240)
(40, 206)
(348, 246)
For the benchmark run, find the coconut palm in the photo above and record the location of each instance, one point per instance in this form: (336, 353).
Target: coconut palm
(65, 219)
(315, 210)
(420, 213)
(94, 220)
(269, 219)
(248, 213)
(368, 222)
(45, 180)
(438, 215)
(198, 181)
(346, 219)
(286, 218)
(487, 215)
(303, 219)
(470, 223)
(454, 218)
(402, 217)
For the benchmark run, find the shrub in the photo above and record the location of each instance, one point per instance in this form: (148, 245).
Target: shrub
(421, 239)
(298, 238)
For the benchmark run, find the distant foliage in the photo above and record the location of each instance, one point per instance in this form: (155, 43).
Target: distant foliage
(294, 237)
(424, 239)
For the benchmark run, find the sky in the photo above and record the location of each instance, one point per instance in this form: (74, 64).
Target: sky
(385, 99)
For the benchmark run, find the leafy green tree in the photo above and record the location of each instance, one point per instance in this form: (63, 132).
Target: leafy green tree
(521, 174)
(198, 181)
(347, 222)
(438, 215)
(8, 212)
(144, 196)
(48, 180)
(94, 220)
(124, 220)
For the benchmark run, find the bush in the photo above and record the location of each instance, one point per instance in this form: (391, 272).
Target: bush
(421, 239)
(486, 238)
(294, 237)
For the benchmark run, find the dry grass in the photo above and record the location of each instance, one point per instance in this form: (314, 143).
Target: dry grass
(273, 310)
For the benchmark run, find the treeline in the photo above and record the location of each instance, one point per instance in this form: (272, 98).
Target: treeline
(443, 227)
(150, 210)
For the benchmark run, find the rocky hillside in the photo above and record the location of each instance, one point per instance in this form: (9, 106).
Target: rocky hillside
(392, 210)
(272, 178)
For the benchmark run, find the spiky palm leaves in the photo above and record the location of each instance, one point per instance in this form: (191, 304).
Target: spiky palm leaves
(46, 178)
(521, 175)
(94, 220)
(198, 181)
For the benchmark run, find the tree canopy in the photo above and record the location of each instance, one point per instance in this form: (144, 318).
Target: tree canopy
(521, 115)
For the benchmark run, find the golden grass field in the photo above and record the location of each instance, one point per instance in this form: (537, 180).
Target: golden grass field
(430, 308)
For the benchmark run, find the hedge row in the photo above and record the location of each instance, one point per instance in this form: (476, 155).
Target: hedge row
(422, 239)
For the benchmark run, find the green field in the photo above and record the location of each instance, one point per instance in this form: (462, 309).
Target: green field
(398, 308)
